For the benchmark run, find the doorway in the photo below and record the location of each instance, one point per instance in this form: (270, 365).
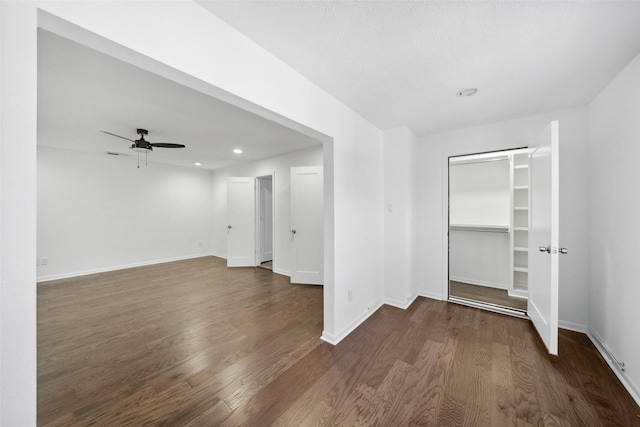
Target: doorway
(488, 230)
(264, 226)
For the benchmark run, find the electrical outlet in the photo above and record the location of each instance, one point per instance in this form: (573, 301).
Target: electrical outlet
(200, 244)
(44, 261)
(350, 295)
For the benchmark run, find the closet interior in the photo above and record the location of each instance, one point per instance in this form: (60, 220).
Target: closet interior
(489, 220)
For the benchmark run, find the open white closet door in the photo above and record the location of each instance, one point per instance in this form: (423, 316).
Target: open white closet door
(307, 222)
(544, 247)
(241, 210)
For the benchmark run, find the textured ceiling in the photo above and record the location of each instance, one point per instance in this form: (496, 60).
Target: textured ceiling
(401, 63)
(82, 91)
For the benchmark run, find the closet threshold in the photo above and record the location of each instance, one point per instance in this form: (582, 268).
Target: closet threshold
(489, 307)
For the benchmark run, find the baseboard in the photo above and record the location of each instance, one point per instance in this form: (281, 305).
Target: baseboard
(479, 283)
(401, 304)
(282, 272)
(607, 355)
(223, 256)
(518, 294)
(431, 295)
(335, 339)
(571, 326)
(49, 278)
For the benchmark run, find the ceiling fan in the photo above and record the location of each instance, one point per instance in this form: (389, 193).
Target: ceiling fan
(142, 145)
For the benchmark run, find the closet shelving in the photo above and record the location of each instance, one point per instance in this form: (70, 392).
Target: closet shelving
(520, 202)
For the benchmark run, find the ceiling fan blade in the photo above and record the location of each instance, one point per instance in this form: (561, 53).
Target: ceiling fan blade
(166, 145)
(117, 136)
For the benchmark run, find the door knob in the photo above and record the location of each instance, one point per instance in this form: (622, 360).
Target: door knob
(544, 249)
(563, 251)
(229, 227)
(293, 231)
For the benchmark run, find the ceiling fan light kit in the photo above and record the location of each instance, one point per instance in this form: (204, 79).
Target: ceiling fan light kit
(142, 145)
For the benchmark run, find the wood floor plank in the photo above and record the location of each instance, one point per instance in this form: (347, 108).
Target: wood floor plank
(503, 406)
(193, 343)
(484, 294)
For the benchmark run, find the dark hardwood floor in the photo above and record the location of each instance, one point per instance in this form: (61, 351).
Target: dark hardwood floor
(194, 343)
(484, 294)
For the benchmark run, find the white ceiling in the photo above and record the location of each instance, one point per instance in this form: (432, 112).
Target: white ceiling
(400, 63)
(82, 91)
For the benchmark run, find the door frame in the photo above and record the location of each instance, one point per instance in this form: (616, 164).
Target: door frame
(445, 199)
(258, 227)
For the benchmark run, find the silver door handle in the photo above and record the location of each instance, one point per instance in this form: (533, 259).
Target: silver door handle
(563, 251)
(544, 249)
(293, 231)
(229, 227)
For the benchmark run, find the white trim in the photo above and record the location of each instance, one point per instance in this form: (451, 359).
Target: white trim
(571, 326)
(119, 267)
(282, 272)
(431, 295)
(219, 255)
(335, 339)
(400, 304)
(607, 354)
(444, 242)
(489, 307)
(479, 283)
(518, 293)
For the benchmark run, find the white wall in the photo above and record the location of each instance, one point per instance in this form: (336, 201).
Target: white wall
(280, 166)
(480, 258)
(429, 222)
(18, 125)
(614, 270)
(204, 53)
(101, 212)
(480, 193)
(399, 288)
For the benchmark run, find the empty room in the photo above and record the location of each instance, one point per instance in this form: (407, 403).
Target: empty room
(249, 213)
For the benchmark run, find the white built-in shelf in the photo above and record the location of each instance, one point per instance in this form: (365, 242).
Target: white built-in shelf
(520, 220)
(479, 227)
(519, 286)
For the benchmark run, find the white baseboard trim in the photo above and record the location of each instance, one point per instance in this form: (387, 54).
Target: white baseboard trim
(282, 272)
(479, 283)
(401, 304)
(335, 339)
(49, 278)
(571, 326)
(431, 295)
(223, 256)
(518, 294)
(607, 354)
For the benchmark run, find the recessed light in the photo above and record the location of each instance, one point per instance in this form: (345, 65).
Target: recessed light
(237, 151)
(467, 92)
(197, 164)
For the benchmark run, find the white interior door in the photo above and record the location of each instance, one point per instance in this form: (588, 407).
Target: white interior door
(307, 219)
(241, 213)
(543, 237)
